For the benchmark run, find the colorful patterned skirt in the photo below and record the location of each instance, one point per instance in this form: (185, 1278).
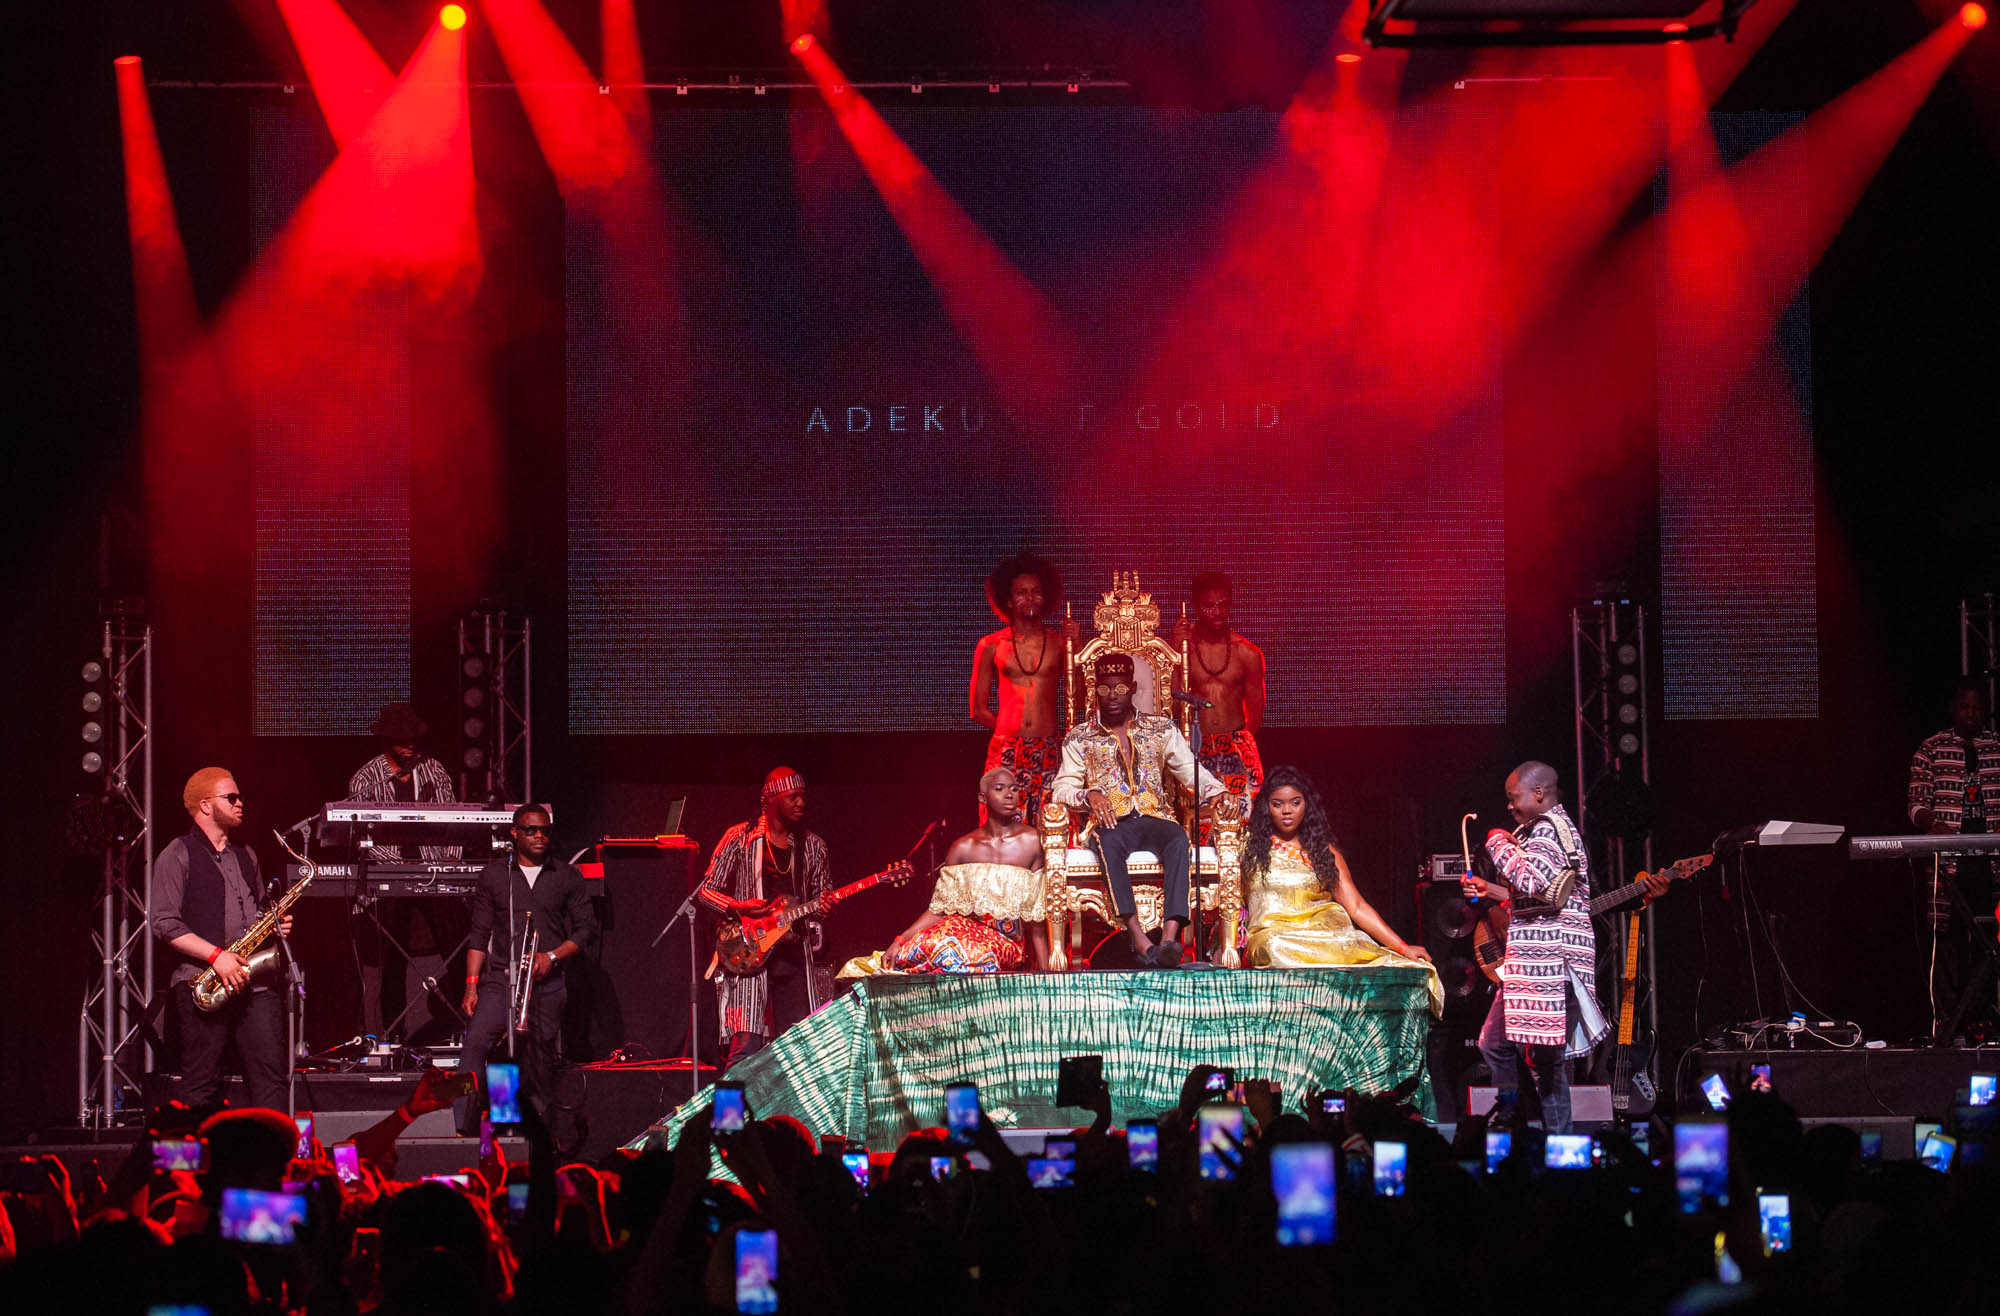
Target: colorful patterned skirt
(956, 943)
(1034, 761)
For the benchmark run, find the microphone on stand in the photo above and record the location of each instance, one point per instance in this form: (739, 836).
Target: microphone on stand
(1191, 699)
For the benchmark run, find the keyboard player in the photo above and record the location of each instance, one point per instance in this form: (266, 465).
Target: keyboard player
(427, 927)
(1955, 789)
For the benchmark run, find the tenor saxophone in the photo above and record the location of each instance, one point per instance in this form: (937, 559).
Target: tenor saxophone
(210, 991)
(524, 975)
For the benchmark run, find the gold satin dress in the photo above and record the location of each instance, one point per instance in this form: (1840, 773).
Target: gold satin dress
(984, 909)
(1296, 924)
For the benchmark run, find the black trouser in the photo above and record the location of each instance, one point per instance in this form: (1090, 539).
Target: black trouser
(1958, 957)
(1169, 844)
(534, 1047)
(255, 1021)
(791, 1000)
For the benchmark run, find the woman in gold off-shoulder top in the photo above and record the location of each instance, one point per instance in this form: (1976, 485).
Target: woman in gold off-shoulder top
(986, 914)
(1304, 909)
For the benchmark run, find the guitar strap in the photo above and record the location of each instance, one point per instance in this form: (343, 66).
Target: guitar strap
(1551, 903)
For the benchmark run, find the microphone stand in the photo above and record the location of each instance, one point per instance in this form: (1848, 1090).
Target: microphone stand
(687, 911)
(1195, 703)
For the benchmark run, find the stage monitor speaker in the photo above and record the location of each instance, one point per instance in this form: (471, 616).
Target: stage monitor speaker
(1589, 1103)
(1446, 920)
(636, 996)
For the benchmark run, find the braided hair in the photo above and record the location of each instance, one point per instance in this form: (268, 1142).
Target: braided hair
(1314, 836)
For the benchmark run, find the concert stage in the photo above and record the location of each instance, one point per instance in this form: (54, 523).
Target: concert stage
(873, 1065)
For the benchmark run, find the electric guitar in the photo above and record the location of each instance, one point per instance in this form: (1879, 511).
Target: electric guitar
(1489, 935)
(744, 941)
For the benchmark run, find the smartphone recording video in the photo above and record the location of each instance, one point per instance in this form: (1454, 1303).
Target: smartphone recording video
(1774, 1222)
(1716, 1091)
(189, 1154)
(728, 1113)
(1220, 1128)
(304, 1123)
(1701, 1163)
(1392, 1160)
(250, 1215)
(347, 1162)
(857, 1165)
(1142, 1144)
(961, 1112)
(1499, 1146)
(756, 1271)
(1051, 1172)
(1078, 1078)
(1302, 1182)
(503, 1092)
(1567, 1151)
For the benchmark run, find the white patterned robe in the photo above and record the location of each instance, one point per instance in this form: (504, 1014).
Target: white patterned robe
(737, 869)
(1545, 954)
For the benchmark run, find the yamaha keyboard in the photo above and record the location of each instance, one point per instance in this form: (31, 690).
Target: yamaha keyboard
(1923, 845)
(483, 828)
(395, 880)
(388, 880)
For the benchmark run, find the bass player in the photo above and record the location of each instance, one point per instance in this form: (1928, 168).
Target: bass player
(754, 863)
(1546, 1009)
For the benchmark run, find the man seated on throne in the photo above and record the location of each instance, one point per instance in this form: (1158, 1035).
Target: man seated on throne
(1115, 768)
(987, 902)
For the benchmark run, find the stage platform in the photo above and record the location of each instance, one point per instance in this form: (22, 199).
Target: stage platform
(1832, 1084)
(874, 1064)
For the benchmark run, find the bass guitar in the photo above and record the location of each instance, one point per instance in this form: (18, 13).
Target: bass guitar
(1632, 1091)
(743, 942)
(1489, 935)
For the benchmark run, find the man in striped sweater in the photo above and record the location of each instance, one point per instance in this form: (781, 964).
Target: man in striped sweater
(1546, 1009)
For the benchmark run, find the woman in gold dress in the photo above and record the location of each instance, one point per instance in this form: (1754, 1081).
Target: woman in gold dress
(1304, 909)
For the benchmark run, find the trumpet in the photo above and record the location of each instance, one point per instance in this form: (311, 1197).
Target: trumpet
(524, 975)
(211, 993)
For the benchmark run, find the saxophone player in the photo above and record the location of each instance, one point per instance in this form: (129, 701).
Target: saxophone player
(525, 883)
(206, 893)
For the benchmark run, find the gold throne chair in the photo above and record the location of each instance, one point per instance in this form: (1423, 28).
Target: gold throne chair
(1128, 621)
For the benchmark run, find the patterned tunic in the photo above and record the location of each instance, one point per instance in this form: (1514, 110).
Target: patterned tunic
(1092, 761)
(1544, 954)
(1938, 778)
(737, 869)
(375, 783)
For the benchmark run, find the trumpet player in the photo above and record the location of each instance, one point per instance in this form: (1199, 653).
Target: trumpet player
(524, 884)
(206, 893)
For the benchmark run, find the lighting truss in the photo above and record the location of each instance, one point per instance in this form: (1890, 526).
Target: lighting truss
(1476, 23)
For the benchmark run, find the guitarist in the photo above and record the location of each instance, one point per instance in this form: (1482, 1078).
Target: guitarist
(754, 863)
(1546, 1009)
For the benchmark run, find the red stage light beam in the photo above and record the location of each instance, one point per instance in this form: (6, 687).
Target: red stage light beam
(625, 66)
(585, 139)
(169, 321)
(349, 80)
(1002, 316)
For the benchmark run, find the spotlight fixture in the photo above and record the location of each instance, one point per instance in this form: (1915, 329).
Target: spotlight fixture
(802, 43)
(1972, 16)
(452, 17)
(1475, 23)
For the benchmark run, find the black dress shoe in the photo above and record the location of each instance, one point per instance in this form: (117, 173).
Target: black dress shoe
(1166, 955)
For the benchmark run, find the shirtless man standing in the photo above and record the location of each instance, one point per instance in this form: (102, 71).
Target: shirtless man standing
(1024, 659)
(1228, 671)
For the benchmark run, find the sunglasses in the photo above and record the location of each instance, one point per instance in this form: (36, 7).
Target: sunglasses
(232, 797)
(533, 829)
(1122, 688)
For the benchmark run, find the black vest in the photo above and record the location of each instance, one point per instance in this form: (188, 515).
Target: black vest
(202, 902)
